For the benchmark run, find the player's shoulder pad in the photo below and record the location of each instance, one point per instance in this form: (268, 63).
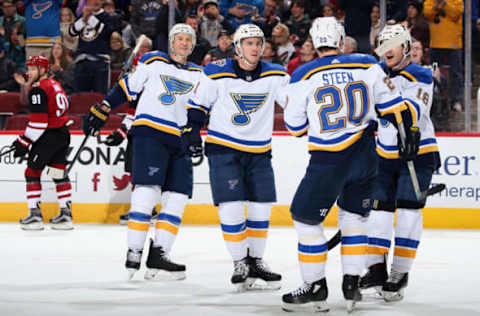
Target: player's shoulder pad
(194, 67)
(417, 73)
(219, 69)
(361, 59)
(154, 56)
(269, 69)
(301, 72)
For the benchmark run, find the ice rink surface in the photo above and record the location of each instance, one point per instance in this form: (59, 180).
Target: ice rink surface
(81, 272)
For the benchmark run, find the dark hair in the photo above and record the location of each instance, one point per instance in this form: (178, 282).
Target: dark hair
(299, 3)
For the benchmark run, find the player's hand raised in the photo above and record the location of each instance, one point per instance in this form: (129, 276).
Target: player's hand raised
(21, 145)
(95, 119)
(412, 144)
(116, 137)
(192, 140)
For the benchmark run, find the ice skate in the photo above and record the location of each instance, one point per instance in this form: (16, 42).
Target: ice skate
(63, 221)
(259, 270)
(394, 289)
(351, 292)
(134, 258)
(34, 220)
(310, 297)
(240, 274)
(160, 267)
(372, 282)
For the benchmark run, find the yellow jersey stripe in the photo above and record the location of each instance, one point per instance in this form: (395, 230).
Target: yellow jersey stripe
(163, 128)
(225, 143)
(337, 147)
(154, 58)
(354, 65)
(273, 72)
(408, 75)
(222, 74)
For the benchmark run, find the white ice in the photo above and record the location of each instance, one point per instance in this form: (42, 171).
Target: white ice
(81, 272)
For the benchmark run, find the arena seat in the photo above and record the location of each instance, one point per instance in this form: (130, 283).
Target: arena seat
(17, 122)
(81, 102)
(10, 103)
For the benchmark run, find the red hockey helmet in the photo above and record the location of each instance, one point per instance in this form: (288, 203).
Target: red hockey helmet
(39, 61)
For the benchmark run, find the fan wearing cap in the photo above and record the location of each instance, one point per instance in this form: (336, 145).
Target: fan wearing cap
(223, 50)
(46, 140)
(212, 23)
(160, 165)
(239, 95)
(393, 185)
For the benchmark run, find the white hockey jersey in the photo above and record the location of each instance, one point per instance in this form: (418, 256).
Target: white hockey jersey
(166, 89)
(241, 111)
(335, 98)
(415, 84)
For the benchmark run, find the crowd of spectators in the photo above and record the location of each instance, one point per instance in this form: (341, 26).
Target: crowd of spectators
(87, 39)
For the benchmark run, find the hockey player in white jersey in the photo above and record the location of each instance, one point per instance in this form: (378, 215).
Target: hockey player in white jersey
(239, 94)
(160, 163)
(336, 99)
(393, 185)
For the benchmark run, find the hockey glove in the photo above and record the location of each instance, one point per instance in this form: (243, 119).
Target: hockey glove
(95, 119)
(192, 140)
(117, 137)
(21, 145)
(412, 143)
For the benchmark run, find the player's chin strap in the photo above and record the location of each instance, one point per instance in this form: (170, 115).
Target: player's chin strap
(390, 44)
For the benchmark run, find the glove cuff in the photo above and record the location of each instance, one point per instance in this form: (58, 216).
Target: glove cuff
(24, 141)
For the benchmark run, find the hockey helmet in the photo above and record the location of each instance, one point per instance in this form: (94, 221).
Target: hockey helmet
(393, 36)
(247, 31)
(327, 32)
(181, 28)
(38, 61)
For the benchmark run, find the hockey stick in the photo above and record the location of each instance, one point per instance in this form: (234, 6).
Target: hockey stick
(7, 152)
(377, 205)
(77, 154)
(128, 63)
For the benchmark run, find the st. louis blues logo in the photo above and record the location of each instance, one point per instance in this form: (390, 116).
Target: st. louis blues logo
(173, 86)
(246, 104)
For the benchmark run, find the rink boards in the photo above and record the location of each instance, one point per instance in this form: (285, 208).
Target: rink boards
(101, 189)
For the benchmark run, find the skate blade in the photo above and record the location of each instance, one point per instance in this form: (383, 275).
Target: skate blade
(62, 226)
(350, 305)
(162, 275)
(254, 284)
(130, 273)
(316, 307)
(372, 293)
(393, 296)
(33, 226)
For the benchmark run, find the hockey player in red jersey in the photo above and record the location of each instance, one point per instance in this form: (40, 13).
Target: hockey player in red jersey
(46, 140)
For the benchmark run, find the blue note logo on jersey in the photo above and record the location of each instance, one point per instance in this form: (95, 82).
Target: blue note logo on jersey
(173, 86)
(246, 104)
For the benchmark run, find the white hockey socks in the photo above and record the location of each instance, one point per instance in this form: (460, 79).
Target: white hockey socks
(169, 219)
(354, 241)
(407, 238)
(380, 231)
(258, 221)
(144, 198)
(234, 228)
(312, 251)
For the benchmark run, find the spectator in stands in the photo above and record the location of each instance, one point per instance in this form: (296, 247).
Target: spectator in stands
(118, 52)
(7, 69)
(161, 35)
(224, 48)
(350, 45)
(329, 10)
(396, 11)
(15, 50)
(270, 53)
(143, 17)
(66, 18)
(417, 24)
(285, 48)
(445, 17)
(11, 20)
(145, 47)
(241, 11)
(299, 22)
(212, 23)
(307, 53)
(375, 27)
(357, 21)
(92, 58)
(270, 18)
(61, 67)
(189, 7)
(43, 26)
(202, 46)
(115, 18)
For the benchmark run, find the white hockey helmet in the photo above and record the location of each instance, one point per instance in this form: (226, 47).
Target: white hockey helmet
(247, 31)
(181, 28)
(327, 32)
(393, 36)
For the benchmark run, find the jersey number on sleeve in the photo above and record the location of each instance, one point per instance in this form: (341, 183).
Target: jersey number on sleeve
(62, 104)
(331, 102)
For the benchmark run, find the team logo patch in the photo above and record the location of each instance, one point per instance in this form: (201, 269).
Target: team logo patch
(174, 87)
(232, 184)
(152, 171)
(246, 104)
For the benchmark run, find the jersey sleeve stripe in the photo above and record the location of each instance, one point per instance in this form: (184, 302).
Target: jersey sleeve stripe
(414, 109)
(124, 85)
(297, 130)
(193, 105)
